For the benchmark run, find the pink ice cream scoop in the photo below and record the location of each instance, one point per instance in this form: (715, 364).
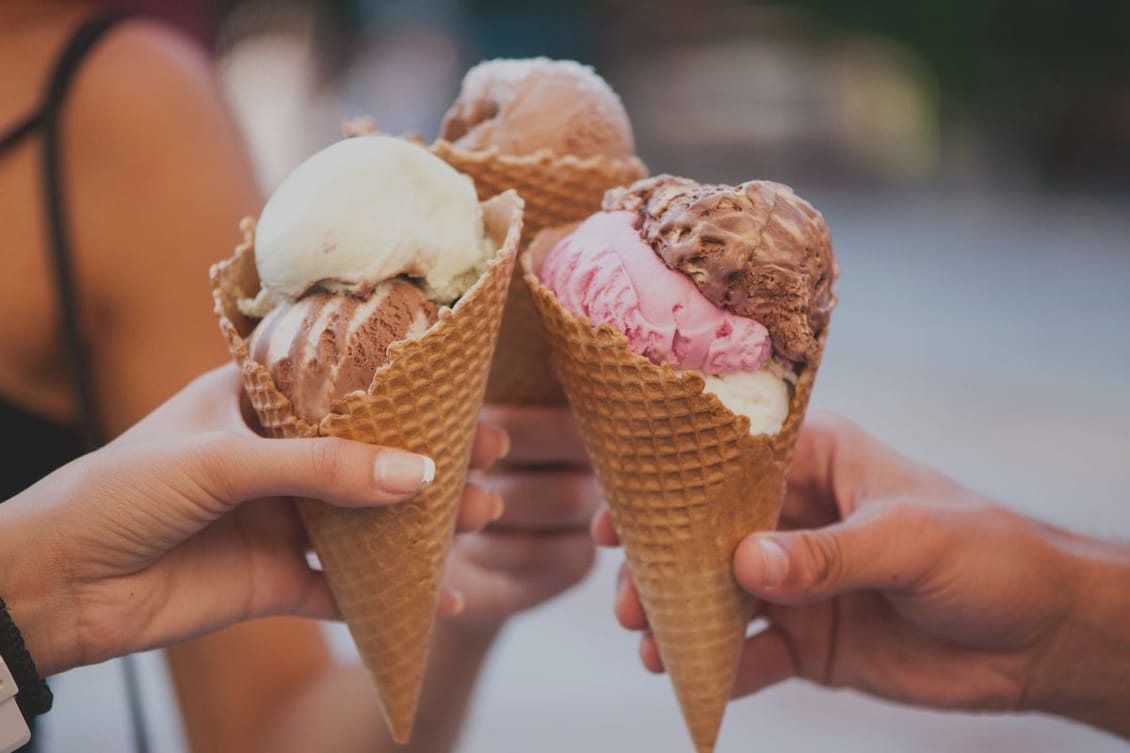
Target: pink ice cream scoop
(607, 273)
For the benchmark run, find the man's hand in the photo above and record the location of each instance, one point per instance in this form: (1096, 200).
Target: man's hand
(889, 578)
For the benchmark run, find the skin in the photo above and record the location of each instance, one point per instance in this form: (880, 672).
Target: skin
(539, 547)
(875, 583)
(147, 116)
(160, 135)
(183, 525)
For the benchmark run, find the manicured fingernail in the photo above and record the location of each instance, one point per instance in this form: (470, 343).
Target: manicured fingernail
(498, 506)
(775, 561)
(399, 472)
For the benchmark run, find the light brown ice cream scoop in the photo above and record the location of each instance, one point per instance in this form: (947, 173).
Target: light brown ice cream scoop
(756, 249)
(326, 345)
(522, 106)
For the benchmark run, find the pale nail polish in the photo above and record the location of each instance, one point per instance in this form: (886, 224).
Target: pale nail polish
(399, 472)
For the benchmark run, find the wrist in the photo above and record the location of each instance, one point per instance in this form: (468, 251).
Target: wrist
(34, 604)
(1085, 673)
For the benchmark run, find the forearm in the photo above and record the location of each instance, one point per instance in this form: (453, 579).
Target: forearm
(232, 685)
(1085, 675)
(340, 711)
(457, 657)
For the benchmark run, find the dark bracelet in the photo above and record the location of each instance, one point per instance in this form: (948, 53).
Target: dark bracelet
(34, 697)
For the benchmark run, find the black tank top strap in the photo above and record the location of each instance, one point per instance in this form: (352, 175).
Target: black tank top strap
(16, 134)
(65, 442)
(69, 61)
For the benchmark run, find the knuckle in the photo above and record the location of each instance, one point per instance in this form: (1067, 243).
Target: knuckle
(831, 424)
(327, 460)
(822, 562)
(581, 563)
(578, 503)
(912, 518)
(931, 526)
(211, 453)
(584, 498)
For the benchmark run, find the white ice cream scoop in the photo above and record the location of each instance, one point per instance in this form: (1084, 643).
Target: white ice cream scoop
(364, 210)
(763, 396)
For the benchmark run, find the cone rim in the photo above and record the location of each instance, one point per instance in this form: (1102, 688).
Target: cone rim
(234, 277)
(543, 156)
(692, 379)
(508, 246)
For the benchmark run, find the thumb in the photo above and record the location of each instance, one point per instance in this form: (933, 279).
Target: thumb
(166, 492)
(890, 547)
(235, 468)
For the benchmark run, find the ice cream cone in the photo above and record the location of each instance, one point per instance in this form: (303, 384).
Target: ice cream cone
(684, 481)
(557, 190)
(384, 565)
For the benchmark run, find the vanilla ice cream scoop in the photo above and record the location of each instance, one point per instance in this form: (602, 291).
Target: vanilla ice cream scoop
(364, 210)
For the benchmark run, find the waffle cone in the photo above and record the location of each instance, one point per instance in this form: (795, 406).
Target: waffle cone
(384, 565)
(557, 190)
(684, 481)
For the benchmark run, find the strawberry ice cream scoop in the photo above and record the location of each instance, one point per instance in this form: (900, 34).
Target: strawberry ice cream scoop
(607, 273)
(755, 249)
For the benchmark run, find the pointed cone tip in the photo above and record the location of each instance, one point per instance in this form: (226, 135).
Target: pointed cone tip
(705, 746)
(402, 728)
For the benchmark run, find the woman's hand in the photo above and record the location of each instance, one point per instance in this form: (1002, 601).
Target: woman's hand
(184, 525)
(540, 546)
(889, 578)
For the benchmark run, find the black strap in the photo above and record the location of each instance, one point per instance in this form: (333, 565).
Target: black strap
(49, 117)
(54, 100)
(33, 696)
(16, 134)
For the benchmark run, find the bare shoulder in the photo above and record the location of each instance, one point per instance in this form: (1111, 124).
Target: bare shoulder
(158, 178)
(152, 143)
(147, 72)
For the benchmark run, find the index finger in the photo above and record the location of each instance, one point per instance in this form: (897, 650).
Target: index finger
(835, 465)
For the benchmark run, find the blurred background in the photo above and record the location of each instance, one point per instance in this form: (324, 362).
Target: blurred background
(973, 161)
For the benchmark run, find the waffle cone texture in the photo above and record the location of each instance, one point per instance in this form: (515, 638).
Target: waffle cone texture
(684, 481)
(557, 190)
(384, 565)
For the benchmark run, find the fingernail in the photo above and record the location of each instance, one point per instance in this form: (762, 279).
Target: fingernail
(503, 442)
(458, 603)
(399, 472)
(498, 506)
(775, 561)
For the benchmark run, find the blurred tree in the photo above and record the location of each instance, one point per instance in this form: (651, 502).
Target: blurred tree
(1048, 80)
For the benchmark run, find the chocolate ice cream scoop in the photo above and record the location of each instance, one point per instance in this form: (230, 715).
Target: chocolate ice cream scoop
(756, 249)
(521, 106)
(326, 345)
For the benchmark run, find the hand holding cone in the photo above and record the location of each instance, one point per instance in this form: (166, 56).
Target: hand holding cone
(690, 457)
(684, 479)
(384, 565)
